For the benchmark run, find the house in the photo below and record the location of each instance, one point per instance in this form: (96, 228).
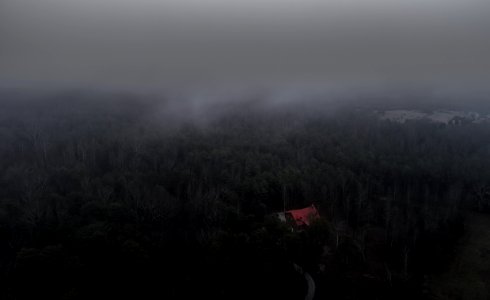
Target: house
(299, 217)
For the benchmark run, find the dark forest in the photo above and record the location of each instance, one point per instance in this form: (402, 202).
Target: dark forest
(108, 195)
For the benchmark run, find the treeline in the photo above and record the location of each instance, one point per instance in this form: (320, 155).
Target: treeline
(113, 197)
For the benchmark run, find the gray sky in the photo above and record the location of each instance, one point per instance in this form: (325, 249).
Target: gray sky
(153, 42)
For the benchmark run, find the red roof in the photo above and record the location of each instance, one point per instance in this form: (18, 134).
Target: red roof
(305, 215)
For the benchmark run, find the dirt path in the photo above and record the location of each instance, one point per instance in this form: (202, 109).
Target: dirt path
(469, 275)
(310, 283)
(310, 294)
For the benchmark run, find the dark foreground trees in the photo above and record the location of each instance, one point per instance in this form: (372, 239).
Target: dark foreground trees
(109, 197)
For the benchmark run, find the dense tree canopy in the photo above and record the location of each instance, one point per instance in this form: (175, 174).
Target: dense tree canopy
(114, 197)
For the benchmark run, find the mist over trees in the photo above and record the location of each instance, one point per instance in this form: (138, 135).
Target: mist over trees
(105, 195)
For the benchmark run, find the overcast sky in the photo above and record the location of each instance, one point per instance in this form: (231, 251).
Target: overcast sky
(153, 42)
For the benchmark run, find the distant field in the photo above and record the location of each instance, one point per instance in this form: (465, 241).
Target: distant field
(437, 116)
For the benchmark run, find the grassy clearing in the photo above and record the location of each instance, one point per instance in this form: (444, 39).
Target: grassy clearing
(468, 277)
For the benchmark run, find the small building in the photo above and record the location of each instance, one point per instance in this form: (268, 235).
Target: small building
(299, 217)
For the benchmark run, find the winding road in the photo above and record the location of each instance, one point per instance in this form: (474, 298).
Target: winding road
(310, 292)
